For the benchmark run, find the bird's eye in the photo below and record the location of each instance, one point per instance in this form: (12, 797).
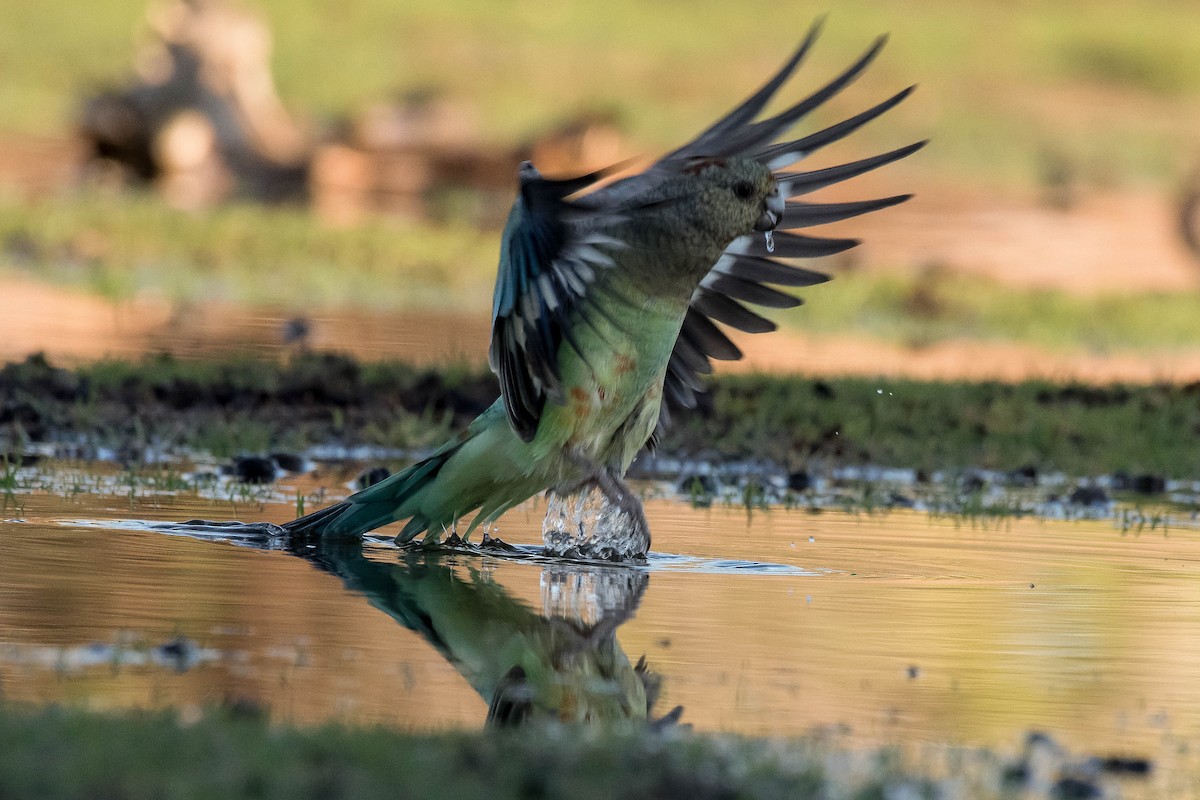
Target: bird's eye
(743, 189)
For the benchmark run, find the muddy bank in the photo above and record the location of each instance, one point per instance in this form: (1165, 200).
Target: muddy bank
(228, 407)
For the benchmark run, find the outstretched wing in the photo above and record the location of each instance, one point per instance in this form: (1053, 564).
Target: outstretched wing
(750, 268)
(550, 253)
(554, 247)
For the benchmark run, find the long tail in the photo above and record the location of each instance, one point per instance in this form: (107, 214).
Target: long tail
(390, 500)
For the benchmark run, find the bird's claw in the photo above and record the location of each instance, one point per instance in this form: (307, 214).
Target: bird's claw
(495, 543)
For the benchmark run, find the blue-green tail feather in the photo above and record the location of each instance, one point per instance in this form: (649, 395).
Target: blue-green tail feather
(388, 501)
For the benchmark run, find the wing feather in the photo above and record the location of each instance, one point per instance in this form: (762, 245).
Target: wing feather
(555, 247)
(748, 270)
(551, 252)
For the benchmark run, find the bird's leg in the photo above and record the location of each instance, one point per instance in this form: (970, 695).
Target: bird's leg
(490, 542)
(605, 521)
(618, 495)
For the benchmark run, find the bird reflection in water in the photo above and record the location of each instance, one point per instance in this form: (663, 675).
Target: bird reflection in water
(563, 663)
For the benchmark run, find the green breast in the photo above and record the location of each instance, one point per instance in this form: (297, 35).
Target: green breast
(612, 393)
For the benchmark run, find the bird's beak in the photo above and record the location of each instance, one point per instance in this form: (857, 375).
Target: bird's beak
(772, 211)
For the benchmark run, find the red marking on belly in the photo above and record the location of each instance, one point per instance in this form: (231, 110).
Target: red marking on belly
(580, 402)
(624, 364)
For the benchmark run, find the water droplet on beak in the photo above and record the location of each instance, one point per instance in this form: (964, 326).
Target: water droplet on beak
(770, 237)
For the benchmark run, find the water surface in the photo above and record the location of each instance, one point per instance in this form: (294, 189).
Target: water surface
(884, 628)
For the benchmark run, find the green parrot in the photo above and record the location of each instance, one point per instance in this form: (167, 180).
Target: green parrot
(604, 310)
(525, 665)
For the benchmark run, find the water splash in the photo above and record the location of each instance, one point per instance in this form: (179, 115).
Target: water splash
(588, 526)
(770, 237)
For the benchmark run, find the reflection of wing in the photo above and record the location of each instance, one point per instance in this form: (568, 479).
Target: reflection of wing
(748, 270)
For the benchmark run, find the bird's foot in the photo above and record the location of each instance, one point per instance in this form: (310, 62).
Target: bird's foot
(495, 543)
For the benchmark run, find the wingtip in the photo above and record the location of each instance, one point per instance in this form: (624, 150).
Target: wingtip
(907, 150)
(814, 31)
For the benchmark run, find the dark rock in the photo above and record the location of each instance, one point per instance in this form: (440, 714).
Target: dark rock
(1024, 476)
(799, 481)
(1088, 496)
(1149, 484)
(371, 477)
(1121, 765)
(180, 653)
(296, 330)
(897, 500)
(972, 483)
(1015, 775)
(1036, 738)
(254, 469)
(1070, 788)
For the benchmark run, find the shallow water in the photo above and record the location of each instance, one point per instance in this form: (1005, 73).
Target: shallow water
(883, 628)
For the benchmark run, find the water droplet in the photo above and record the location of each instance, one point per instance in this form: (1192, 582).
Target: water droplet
(770, 237)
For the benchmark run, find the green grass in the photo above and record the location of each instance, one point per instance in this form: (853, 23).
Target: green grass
(119, 246)
(248, 405)
(68, 754)
(992, 77)
(935, 425)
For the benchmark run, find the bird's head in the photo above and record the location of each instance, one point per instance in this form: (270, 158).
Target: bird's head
(736, 196)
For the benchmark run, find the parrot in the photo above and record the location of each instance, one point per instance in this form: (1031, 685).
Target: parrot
(525, 665)
(607, 298)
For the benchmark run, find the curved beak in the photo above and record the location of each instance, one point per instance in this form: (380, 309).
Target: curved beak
(772, 211)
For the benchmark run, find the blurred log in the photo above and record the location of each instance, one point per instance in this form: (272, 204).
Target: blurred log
(202, 119)
(347, 183)
(399, 156)
(421, 157)
(577, 146)
(203, 122)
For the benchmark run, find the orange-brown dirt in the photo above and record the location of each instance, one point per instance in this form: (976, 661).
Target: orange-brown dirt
(72, 327)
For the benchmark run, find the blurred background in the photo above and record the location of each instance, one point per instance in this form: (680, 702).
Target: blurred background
(265, 175)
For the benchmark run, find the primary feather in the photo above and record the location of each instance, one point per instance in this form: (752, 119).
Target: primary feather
(606, 301)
